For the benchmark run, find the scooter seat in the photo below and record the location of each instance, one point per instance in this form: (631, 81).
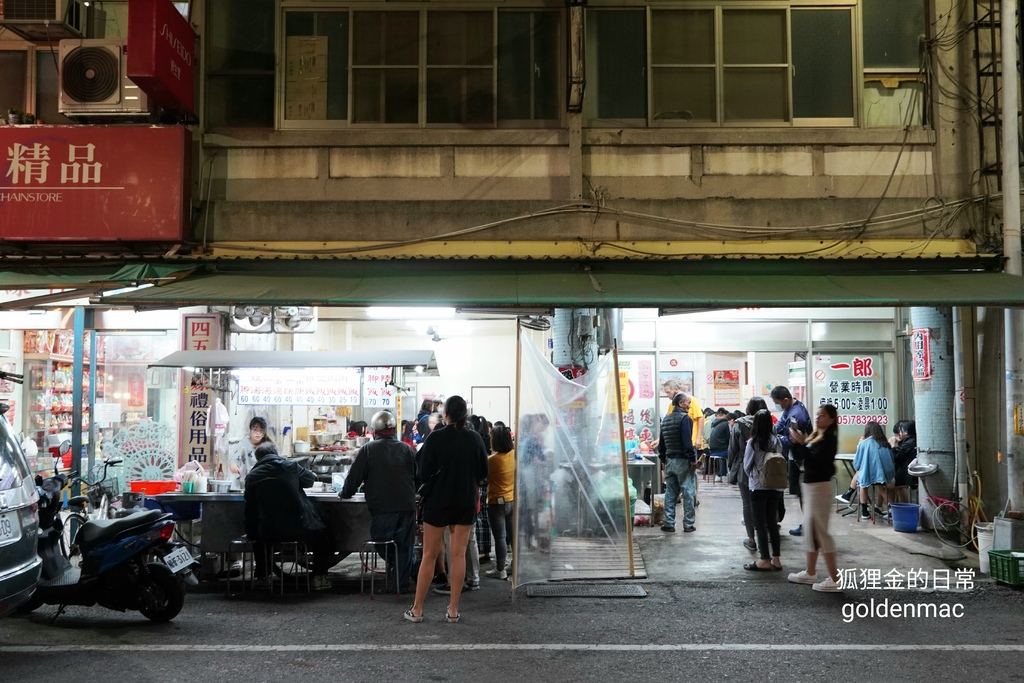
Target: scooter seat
(94, 531)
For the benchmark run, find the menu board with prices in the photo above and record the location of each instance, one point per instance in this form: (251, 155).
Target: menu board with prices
(378, 391)
(299, 387)
(640, 411)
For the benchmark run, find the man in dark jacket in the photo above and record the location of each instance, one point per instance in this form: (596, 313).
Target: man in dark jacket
(277, 509)
(676, 449)
(794, 415)
(386, 469)
(718, 443)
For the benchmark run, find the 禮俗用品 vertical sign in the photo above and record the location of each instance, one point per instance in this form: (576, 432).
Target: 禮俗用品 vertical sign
(162, 54)
(920, 354)
(200, 332)
(121, 183)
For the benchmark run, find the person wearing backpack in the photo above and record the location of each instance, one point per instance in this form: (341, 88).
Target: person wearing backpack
(738, 436)
(767, 473)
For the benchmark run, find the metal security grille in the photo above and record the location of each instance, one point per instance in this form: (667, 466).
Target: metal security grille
(30, 9)
(586, 590)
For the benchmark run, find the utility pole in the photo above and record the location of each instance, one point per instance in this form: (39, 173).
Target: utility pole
(1013, 362)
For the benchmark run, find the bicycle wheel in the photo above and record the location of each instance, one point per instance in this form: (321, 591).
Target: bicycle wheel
(72, 523)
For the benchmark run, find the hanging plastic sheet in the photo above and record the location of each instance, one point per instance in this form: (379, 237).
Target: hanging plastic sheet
(572, 507)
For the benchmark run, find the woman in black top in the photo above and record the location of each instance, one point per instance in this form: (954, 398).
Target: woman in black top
(903, 453)
(453, 462)
(818, 454)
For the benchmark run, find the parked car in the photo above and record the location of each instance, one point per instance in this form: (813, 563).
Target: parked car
(20, 564)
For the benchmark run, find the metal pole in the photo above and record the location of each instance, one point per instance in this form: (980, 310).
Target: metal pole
(959, 421)
(515, 430)
(1014, 363)
(77, 369)
(622, 453)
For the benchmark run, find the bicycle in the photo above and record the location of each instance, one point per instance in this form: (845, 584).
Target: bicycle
(98, 496)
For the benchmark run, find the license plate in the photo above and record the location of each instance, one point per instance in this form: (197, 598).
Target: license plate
(10, 528)
(177, 559)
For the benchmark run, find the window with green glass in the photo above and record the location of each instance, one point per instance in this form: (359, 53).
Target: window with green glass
(721, 65)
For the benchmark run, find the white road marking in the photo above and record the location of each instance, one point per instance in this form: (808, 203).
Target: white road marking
(518, 647)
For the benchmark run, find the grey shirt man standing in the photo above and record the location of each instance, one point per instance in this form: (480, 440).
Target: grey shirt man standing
(386, 469)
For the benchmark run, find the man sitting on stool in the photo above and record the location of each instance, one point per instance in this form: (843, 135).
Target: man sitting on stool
(277, 510)
(386, 469)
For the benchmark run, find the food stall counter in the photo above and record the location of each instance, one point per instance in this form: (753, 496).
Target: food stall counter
(223, 518)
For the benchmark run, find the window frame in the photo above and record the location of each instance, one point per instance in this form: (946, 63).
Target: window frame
(718, 7)
(423, 10)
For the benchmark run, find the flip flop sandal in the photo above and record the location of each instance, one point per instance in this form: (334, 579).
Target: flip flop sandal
(409, 616)
(776, 569)
(450, 618)
(752, 567)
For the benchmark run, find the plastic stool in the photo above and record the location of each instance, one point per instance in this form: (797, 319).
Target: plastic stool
(372, 548)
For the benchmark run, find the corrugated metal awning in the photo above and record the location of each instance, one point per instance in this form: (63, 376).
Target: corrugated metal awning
(718, 284)
(231, 360)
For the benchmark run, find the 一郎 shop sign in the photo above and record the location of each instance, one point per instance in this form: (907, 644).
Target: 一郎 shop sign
(94, 183)
(855, 385)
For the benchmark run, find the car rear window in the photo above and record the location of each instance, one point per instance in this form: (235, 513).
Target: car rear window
(12, 463)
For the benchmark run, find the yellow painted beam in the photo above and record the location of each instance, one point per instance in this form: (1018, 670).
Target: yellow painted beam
(581, 249)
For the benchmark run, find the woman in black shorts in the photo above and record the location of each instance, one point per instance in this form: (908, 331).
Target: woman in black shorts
(453, 462)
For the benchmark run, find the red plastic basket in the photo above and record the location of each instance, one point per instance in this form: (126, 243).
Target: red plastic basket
(152, 488)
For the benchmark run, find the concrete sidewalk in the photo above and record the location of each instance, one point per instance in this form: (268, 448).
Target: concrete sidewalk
(715, 551)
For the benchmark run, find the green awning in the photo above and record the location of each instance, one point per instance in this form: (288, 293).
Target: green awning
(703, 284)
(73, 276)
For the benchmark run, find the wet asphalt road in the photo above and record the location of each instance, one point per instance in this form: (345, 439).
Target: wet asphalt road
(757, 629)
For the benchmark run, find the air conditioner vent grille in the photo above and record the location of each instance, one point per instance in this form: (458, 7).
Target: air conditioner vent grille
(91, 74)
(30, 9)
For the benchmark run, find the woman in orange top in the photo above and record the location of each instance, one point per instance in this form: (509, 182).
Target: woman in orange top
(501, 482)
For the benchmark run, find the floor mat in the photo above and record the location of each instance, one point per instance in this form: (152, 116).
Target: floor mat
(586, 590)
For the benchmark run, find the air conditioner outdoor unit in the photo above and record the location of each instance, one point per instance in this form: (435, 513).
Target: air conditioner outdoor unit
(93, 84)
(42, 21)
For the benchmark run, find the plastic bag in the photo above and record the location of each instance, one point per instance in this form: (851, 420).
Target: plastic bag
(190, 471)
(30, 448)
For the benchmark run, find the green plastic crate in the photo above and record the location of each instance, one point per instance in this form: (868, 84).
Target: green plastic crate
(1005, 568)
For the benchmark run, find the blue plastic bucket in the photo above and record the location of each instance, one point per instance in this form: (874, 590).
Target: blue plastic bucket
(905, 516)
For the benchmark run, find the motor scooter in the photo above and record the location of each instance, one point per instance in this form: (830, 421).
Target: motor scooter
(126, 564)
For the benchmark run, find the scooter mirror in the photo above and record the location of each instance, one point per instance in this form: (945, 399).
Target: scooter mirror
(65, 448)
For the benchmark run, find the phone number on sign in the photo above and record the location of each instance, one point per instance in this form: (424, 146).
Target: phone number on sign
(862, 419)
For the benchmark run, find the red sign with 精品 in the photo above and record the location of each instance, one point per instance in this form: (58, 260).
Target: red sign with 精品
(94, 183)
(162, 54)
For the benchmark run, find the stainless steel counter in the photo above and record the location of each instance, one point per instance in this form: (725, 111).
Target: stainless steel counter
(348, 521)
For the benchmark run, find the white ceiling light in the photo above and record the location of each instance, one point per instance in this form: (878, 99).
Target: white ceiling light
(408, 313)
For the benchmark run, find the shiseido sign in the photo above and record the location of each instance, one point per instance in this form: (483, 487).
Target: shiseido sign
(94, 183)
(162, 54)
